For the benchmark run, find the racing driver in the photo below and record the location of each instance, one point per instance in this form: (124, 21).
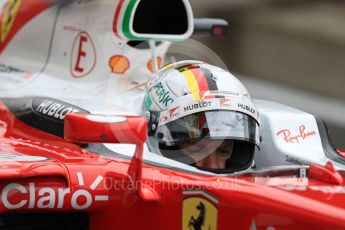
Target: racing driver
(201, 115)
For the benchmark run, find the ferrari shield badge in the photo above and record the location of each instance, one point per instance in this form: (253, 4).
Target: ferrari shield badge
(199, 211)
(8, 15)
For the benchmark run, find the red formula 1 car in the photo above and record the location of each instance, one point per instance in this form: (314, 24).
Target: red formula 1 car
(72, 147)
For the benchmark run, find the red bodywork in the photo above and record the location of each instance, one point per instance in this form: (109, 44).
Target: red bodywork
(129, 194)
(41, 172)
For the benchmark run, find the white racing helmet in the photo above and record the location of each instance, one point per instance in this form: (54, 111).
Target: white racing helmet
(191, 105)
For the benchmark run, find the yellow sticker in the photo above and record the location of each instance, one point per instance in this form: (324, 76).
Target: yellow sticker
(199, 214)
(8, 15)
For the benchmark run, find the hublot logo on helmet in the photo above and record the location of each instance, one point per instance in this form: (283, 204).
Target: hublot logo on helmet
(246, 107)
(197, 106)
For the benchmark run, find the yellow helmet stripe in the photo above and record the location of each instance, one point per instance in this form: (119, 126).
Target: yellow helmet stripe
(192, 84)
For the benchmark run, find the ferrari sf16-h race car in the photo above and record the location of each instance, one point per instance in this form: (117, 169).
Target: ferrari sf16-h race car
(73, 151)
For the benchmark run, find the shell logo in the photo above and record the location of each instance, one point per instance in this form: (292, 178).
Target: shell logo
(119, 64)
(150, 64)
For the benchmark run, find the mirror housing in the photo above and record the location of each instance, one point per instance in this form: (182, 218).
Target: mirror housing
(153, 20)
(92, 128)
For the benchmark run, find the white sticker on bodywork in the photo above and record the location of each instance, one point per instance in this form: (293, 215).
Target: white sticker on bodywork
(15, 157)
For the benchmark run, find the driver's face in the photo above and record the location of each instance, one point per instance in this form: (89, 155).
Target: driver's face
(211, 154)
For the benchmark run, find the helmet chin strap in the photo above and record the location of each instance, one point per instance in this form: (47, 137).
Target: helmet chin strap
(154, 56)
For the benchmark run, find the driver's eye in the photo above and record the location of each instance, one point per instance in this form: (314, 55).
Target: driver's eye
(223, 152)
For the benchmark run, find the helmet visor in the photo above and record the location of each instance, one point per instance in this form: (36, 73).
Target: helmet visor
(209, 125)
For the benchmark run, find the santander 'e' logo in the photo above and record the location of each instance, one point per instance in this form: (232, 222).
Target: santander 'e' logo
(83, 56)
(17, 196)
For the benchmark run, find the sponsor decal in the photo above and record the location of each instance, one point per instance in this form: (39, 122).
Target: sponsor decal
(174, 112)
(163, 94)
(9, 69)
(54, 109)
(199, 211)
(22, 158)
(303, 134)
(219, 94)
(15, 75)
(8, 16)
(83, 56)
(202, 104)
(296, 161)
(72, 29)
(246, 107)
(30, 195)
(225, 102)
(150, 64)
(119, 64)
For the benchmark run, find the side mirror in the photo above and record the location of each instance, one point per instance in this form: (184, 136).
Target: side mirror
(91, 128)
(143, 20)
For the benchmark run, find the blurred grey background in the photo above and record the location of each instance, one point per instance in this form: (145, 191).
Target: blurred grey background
(291, 51)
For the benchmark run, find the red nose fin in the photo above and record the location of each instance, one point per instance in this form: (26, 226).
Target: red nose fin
(330, 167)
(326, 173)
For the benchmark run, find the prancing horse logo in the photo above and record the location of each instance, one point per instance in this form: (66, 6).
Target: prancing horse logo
(199, 213)
(198, 222)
